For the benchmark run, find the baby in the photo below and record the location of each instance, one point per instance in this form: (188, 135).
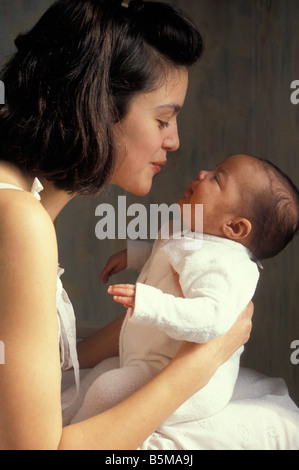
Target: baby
(250, 212)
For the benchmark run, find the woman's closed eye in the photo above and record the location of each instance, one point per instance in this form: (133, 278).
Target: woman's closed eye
(163, 124)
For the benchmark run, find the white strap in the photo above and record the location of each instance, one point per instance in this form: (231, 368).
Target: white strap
(37, 187)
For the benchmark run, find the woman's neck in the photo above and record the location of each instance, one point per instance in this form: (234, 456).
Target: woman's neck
(53, 199)
(11, 174)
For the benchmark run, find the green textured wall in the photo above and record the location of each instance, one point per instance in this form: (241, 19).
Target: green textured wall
(238, 101)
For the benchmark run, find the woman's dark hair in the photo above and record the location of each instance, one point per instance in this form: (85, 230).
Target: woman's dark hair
(75, 74)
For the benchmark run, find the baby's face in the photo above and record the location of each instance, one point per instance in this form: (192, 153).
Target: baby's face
(220, 191)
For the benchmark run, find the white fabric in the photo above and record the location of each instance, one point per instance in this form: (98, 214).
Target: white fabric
(218, 281)
(87, 378)
(65, 316)
(37, 187)
(260, 416)
(67, 338)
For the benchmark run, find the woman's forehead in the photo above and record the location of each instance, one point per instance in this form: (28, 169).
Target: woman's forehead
(170, 95)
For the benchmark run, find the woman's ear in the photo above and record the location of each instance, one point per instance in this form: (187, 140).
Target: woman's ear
(237, 228)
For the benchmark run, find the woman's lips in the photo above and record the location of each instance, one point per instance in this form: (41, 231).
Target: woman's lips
(158, 165)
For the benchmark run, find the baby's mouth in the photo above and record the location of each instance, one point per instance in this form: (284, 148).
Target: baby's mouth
(188, 192)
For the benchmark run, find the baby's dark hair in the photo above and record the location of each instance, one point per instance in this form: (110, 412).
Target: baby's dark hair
(275, 215)
(75, 74)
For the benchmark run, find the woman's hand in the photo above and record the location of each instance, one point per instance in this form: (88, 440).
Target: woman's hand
(115, 264)
(240, 332)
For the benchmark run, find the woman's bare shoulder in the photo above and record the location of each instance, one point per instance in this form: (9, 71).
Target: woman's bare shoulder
(25, 226)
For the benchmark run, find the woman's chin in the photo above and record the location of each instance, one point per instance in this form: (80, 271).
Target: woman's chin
(141, 193)
(141, 190)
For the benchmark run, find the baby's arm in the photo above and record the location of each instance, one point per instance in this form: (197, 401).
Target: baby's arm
(125, 293)
(198, 320)
(210, 308)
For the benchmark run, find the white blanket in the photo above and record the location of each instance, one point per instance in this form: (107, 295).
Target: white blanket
(261, 416)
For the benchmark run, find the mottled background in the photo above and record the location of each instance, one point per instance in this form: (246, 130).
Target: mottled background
(238, 101)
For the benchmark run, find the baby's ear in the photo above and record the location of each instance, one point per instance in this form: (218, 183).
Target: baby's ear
(237, 228)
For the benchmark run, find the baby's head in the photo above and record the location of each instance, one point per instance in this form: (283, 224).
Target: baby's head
(248, 200)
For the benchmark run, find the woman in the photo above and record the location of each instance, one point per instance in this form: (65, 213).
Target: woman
(92, 97)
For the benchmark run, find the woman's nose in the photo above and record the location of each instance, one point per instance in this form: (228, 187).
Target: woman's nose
(172, 141)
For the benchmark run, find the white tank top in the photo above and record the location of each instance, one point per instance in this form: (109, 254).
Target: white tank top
(65, 315)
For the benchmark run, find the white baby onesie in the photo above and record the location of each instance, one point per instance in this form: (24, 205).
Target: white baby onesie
(217, 281)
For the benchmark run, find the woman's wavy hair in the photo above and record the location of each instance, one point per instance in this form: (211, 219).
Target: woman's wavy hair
(74, 75)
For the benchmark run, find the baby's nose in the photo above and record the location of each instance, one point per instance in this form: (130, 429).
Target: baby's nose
(202, 174)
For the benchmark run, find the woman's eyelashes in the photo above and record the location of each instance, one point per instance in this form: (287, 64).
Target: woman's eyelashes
(163, 124)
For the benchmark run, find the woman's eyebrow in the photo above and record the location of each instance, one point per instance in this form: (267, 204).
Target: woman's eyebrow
(170, 107)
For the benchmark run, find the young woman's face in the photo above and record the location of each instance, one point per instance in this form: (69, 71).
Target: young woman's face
(147, 133)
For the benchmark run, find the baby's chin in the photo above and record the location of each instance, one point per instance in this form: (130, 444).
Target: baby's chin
(181, 202)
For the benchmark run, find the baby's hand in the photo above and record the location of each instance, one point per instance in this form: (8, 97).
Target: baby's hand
(124, 294)
(115, 264)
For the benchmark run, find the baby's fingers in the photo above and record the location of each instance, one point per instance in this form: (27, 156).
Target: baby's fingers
(124, 290)
(124, 294)
(127, 302)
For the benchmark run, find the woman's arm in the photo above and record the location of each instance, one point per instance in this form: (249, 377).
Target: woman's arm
(128, 424)
(101, 345)
(30, 411)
